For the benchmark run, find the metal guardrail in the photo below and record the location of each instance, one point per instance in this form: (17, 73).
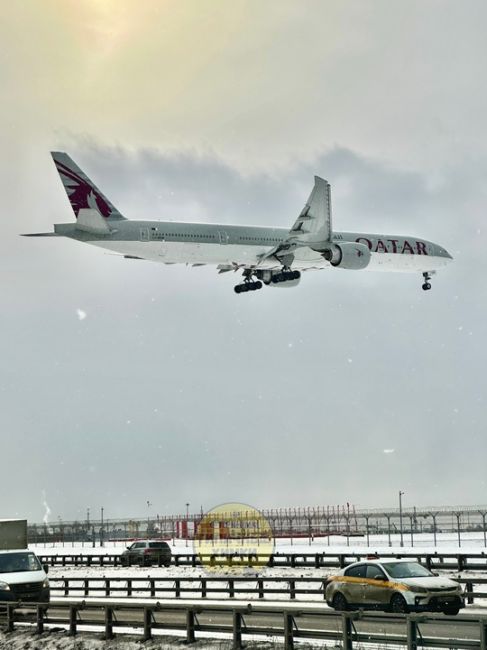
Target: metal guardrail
(433, 561)
(204, 586)
(286, 622)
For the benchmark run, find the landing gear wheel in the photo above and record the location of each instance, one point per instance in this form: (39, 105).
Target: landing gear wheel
(339, 602)
(399, 605)
(427, 278)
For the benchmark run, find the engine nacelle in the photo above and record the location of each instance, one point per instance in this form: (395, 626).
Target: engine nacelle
(348, 255)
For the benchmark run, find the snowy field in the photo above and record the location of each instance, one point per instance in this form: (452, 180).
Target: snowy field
(423, 542)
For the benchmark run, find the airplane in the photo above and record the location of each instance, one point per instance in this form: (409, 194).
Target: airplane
(266, 255)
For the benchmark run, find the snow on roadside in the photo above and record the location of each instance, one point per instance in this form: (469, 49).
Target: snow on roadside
(471, 542)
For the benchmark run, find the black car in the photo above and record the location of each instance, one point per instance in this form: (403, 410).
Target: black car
(147, 553)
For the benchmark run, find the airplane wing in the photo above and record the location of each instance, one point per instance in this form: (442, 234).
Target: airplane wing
(312, 228)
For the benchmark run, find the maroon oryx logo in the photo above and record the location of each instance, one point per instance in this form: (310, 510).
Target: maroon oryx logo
(81, 193)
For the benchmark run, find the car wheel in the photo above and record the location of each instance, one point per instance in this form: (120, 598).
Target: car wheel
(339, 602)
(451, 611)
(399, 605)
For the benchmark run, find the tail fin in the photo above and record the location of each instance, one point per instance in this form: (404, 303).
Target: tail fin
(82, 192)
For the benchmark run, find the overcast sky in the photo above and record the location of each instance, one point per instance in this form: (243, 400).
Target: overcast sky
(122, 381)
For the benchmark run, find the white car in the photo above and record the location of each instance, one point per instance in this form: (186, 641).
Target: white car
(393, 585)
(22, 577)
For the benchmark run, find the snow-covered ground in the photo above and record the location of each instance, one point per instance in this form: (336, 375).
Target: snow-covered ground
(59, 640)
(423, 542)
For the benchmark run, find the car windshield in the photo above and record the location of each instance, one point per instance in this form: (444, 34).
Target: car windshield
(406, 570)
(13, 562)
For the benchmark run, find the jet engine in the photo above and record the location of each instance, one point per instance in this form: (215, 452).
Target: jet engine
(348, 255)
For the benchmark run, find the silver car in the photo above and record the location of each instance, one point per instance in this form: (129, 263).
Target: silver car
(393, 585)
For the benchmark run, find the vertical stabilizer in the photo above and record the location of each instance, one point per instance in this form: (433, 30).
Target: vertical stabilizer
(82, 193)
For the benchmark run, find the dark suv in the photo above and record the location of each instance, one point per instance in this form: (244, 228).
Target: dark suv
(147, 553)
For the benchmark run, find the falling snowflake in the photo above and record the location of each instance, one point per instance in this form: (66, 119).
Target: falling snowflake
(388, 451)
(81, 314)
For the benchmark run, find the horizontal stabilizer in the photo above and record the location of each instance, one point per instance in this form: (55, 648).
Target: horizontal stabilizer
(90, 220)
(39, 234)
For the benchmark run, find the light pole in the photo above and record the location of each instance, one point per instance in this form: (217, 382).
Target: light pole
(148, 517)
(187, 522)
(400, 517)
(102, 543)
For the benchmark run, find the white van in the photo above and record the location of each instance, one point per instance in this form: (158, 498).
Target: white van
(22, 577)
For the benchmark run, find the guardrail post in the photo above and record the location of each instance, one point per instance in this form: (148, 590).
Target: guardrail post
(292, 589)
(190, 625)
(460, 562)
(203, 587)
(86, 584)
(231, 588)
(147, 624)
(260, 584)
(271, 560)
(237, 630)
(341, 561)
(412, 633)
(347, 632)
(66, 586)
(107, 587)
(108, 622)
(102, 560)
(288, 631)
(129, 587)
(177, 588)
(40, 619)
(176, 560)
(469, 589)
(428, 562)
(73, 619)
(193, 560)
(293, 561)
(152, 584)
(317, 561)
(10, 617)
(483, 634)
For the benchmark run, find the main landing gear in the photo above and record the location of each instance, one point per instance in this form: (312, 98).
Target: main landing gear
(426, 284)
(248, 285)
(265, 276)
(285, 276)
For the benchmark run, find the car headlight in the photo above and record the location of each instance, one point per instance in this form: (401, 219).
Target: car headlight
(418, 590)
(45, 584)
(4, 586)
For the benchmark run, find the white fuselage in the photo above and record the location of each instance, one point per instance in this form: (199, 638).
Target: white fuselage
(246, 246)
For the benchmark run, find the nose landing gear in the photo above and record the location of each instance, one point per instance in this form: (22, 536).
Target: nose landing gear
(426, 284)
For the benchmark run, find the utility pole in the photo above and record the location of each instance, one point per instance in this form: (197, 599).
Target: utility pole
(400, 517)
